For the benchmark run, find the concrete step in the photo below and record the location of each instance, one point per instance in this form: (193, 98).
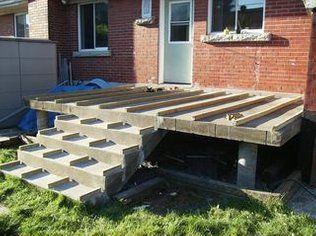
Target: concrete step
(82, 169)
(101, 150)
(120, 133)
(44, 179)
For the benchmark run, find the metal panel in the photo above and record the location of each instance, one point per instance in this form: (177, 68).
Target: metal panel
(26, 68)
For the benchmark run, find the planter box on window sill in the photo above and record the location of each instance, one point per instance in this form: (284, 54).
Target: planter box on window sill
(92, 53)
(145, 21)
(230, 38)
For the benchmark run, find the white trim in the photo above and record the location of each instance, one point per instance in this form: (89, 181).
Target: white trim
(190, 23)
(210, 19)
(161, 41)
(26, 21)
(144, 15)
(94, 31)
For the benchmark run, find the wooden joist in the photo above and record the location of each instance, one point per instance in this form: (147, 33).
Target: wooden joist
(165, 103)
(101, 102)
(50, 97)
(151, 98)
(205, 103)
(266, 111)
(138, 90)
(229, 107)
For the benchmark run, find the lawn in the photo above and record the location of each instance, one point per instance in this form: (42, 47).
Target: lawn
(38, 212)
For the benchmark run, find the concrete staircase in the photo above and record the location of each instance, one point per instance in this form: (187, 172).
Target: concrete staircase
(84, 159)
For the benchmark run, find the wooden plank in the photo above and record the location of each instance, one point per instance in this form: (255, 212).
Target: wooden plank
(279, 125)
(150, 99)
(229, 107)
(100, 95)
(209, 102)
(290, 186)
(103, 102)
(198, 97)
(266, 111)
(207, 184)
(49, 97)
(139, 190)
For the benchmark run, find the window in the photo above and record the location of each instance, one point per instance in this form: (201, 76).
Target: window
(237, 15)
(180, 16)
(93, 26)
(21, 25)
(146, 8)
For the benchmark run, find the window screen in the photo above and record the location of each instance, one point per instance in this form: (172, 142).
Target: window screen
(180, 16)
(146, 8)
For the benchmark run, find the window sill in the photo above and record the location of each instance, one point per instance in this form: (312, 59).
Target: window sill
(92, 53)
(230, 38)
(145, 21)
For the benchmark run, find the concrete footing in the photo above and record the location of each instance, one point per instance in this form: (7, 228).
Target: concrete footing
(247, 165)
(42, 119)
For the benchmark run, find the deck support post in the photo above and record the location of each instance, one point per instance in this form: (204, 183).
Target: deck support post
(42, 120)
(247, 165)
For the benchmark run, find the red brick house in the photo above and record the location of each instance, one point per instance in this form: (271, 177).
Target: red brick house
(243, 44)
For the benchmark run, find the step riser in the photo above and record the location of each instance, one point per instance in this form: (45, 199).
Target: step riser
(77, 149)
(78, 175)
(100, 133)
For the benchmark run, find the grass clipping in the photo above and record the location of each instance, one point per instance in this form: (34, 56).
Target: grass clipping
(37, 212)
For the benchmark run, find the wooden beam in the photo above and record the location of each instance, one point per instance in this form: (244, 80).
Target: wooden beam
(175, 101)
(100, 95)
(121, 98)
(202, 104)
(50, 97)
(266, 111)
(229, 107)
(150, 99)
(283, 123)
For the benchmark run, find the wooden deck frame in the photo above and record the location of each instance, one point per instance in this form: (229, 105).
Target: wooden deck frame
(273, 126)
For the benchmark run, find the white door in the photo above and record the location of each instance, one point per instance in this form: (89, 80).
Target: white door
(178, 43)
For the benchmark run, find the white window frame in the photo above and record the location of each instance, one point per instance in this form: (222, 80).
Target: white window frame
(79, 29)
(210, 20)
(149, 14)
(26, 19)
(190, 23)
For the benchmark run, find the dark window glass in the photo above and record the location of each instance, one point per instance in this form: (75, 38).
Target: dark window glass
(101, 25)
(250, 14)
(86, 21)
(180, 22)
(180, 32)
(21, 25)
(224, 15)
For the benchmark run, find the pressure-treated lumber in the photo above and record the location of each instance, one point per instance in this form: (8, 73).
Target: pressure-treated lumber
(138, 90)
(174, 101)
(209, 102)
(81, 93)
(150, 99)
(229, 107)
(266, 111)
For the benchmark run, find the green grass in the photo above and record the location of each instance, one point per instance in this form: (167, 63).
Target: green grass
(38, 212)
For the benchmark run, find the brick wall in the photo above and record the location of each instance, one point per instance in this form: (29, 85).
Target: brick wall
(7, 25)
(134, 48)
(38, 17)
(280, 65)
(310, 96)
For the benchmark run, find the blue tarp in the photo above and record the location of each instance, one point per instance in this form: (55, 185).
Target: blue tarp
(28, 122)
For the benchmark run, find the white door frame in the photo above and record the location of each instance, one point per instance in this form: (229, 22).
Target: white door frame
(162, 39)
